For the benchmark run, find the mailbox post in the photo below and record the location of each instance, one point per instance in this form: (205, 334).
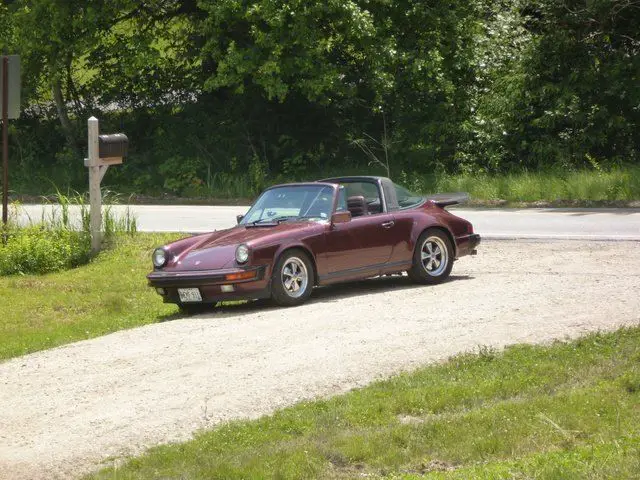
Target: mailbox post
(104, 150)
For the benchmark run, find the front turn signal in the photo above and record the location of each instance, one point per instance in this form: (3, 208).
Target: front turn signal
(241, 276)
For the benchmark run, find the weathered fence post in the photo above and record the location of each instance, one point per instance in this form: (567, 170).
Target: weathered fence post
(95, 195)
(104, 150)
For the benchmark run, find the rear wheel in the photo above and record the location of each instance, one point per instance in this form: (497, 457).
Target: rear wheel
(292, 278)
(433, 257)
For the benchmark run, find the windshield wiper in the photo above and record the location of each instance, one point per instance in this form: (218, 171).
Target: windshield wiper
(282, 218)
(278, 219)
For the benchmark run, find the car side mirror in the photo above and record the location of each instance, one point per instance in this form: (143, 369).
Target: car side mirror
(340, 217)
(239, 218)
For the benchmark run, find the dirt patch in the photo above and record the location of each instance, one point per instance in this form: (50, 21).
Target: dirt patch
(63, 411)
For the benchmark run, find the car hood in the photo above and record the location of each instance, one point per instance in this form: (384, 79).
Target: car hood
(216, 250)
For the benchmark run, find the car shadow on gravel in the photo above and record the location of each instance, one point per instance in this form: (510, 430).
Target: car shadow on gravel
(372, 285)
(331, 293)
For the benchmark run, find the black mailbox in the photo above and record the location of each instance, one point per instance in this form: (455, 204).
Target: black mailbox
(115, 145)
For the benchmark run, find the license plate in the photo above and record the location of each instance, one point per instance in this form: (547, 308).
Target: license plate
(189, 295)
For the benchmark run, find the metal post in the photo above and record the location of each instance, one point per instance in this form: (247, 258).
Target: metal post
(5, 139)
(95, 195)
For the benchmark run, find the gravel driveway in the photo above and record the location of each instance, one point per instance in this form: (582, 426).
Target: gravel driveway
(65, 410)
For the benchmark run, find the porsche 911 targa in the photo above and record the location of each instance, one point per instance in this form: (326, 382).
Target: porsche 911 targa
(300, 235)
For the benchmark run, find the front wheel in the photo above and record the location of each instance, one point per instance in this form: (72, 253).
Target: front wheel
(432, 257)
(292, 278)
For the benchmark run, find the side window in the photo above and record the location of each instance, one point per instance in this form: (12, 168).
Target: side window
(363, 198)
(342, 199)
(318, 204)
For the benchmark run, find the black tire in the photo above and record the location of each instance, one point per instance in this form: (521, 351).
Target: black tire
(196, 308)
(303, 279)
(437, 249)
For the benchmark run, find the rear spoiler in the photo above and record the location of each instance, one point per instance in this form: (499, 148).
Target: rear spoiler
(448, 199)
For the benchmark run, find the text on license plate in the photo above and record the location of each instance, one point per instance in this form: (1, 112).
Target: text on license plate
(189, 295)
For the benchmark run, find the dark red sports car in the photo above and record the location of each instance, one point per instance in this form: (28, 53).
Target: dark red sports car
(300, 235)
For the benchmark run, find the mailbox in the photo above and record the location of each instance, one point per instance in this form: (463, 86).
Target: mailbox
(113, 146)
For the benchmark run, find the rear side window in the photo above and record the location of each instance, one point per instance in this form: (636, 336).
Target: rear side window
(367, 190)
(407, 199)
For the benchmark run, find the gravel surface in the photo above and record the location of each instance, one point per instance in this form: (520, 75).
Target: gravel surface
(66, 411)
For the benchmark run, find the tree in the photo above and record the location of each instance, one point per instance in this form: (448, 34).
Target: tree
(564, 92)
(87, 55)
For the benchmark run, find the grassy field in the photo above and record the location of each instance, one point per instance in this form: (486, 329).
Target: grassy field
(109, 294)
(568, 410)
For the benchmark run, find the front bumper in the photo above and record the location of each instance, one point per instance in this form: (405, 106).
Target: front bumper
(214, 285)
(466, 245)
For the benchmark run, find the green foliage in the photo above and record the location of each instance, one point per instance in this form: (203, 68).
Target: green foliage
(47, 246)
(567, 410)
(38, 249)
(274, 87)
(6, 27)
(563, 90)
(284, 47)
(180, 173)
(58, 241)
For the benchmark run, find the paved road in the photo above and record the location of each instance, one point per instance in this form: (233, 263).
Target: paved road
(536, 223)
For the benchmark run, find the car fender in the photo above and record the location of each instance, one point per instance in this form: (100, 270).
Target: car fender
(425, 222)
(300, 245)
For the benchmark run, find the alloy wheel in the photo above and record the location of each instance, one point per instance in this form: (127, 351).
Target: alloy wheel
(294, 277)
(434, 256)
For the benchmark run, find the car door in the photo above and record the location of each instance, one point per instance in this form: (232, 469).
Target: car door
(362, 246)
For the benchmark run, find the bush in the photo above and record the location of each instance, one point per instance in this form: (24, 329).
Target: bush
(39, 249)
(59, 241)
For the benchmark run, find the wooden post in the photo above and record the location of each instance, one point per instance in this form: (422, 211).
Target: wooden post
(113, 152)
(95, 195)
(5, 139)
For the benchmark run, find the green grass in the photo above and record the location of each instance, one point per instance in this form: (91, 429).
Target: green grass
(108, 294)
(557, 187)
(572, 187)
(617, 185)
(619, 459)
(568, 410)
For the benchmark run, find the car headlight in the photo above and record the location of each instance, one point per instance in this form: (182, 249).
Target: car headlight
(242, 253)
(159, 257)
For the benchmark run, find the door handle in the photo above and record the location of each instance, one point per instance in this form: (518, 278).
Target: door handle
(388, 224)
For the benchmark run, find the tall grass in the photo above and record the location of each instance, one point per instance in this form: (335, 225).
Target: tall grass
(60, 239)
(227, 185)
(113, 224)
(556, 186)
(553, 186)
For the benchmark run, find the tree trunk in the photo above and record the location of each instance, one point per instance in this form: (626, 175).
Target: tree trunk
(63, 115)
(72, 92)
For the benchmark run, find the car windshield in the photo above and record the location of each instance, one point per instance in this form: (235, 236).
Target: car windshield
(291, 202)
(406, 198)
